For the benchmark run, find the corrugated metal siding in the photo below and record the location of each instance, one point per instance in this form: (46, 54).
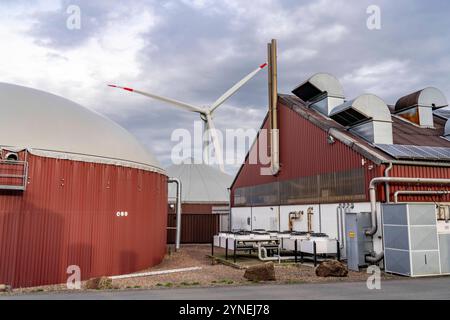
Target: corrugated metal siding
(420, 172)
(67, 216)
(304, 151)
(195, 228)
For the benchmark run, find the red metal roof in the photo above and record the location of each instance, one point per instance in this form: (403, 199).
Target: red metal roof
(404, 132)
(407, 133)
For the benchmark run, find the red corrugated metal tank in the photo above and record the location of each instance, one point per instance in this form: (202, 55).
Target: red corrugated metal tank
(101, 206)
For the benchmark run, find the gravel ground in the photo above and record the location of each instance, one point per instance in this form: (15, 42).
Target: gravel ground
(211, 274)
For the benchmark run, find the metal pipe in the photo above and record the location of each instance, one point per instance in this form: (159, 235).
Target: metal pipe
(342, 225)
(178, 232)
(373, 193)
(345, 209)
(262, 255)
(376, 258)
(386, 185)
(273, 105)
(310, 213)
(154, 273)
(338, 220)
(417, 163)
(294, 215)
(418, 192)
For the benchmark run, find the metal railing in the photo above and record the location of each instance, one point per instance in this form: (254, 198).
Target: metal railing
(13, 175)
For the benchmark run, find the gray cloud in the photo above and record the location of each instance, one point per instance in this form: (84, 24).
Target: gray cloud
(198, 49)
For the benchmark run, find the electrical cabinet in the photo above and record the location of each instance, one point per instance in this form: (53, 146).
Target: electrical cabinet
(357, 243)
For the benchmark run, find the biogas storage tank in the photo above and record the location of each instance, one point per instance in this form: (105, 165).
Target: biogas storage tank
(76, 190)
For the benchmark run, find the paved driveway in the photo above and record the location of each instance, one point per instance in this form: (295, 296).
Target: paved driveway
(424, 288)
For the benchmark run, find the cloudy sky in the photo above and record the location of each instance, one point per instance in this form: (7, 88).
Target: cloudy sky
(194, 50)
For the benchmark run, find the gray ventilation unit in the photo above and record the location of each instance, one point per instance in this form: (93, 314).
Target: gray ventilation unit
(321, 92)
(368, 116)
(418, 106)
(411, 242)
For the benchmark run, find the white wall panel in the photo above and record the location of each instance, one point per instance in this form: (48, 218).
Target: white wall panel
(266, 218)
(240, 218)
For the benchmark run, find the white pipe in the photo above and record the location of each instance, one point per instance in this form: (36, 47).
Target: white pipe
(386, 185)
(340, 227)
(373, 193)
(262, 255)
(418, 163)
(341, 219)
(376, 258)
(178, 232)
(418, 192)
(154, 273)
(338, 222)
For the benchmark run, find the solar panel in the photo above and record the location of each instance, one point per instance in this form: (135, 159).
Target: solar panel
(400, 151)
(443, 113)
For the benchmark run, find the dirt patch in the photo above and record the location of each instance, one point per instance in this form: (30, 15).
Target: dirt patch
(210, 274)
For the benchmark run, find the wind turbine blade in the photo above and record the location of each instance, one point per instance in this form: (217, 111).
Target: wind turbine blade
(235, 88)
(216, 142)
(174, 102)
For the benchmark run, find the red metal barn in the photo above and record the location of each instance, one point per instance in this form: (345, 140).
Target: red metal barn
(331, 149)
(75, 189)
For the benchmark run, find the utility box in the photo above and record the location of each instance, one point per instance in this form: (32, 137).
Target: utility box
(411, 242)
(357, 243)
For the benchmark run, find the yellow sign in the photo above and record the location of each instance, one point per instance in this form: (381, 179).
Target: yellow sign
(351, 234)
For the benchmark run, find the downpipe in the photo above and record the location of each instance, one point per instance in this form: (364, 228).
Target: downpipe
(341, 219)
(386, 185)
(178, 228)
(339, 223)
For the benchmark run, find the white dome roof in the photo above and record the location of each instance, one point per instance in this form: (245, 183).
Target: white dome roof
(40, 121)
(368, 105)
(201, 183)
(327, 83)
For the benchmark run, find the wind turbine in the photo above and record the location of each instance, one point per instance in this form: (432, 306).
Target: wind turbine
(206, 113)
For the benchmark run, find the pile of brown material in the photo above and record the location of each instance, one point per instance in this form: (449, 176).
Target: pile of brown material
(5, 288)
(331, 268)
(261, 272)
(102, 283)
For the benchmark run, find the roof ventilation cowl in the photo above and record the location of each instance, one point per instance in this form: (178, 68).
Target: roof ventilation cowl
(367, 116)
(322, 92)
(447, 130)
(418, 106)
